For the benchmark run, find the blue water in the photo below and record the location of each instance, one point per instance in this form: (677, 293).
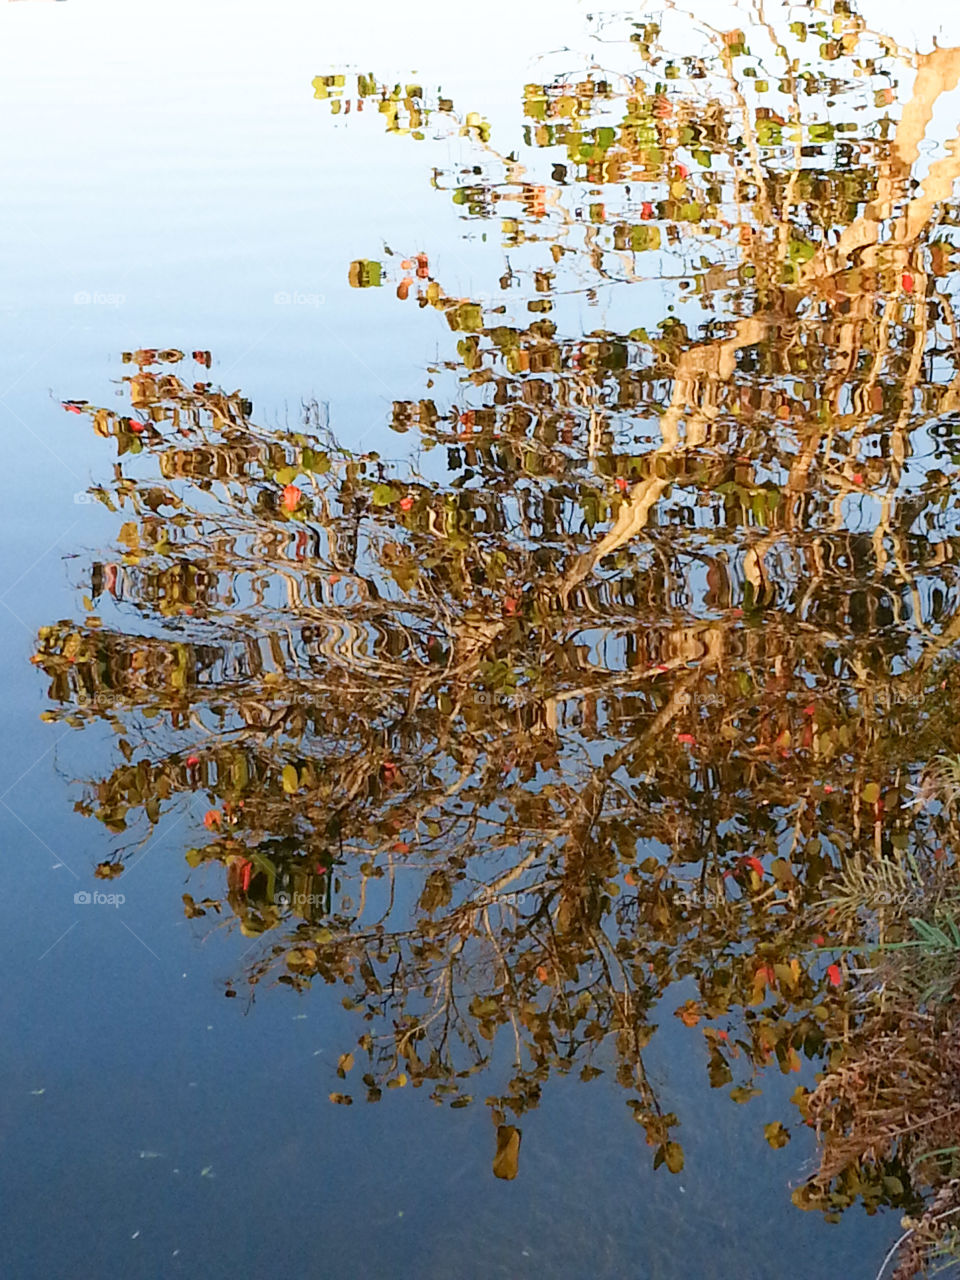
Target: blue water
(148, 1125)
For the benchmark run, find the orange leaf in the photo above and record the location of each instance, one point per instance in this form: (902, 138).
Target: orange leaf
(689, 1013)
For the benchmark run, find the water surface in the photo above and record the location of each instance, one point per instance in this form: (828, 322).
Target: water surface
(480, 568)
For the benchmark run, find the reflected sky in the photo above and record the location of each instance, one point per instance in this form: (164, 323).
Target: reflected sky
(169, 177)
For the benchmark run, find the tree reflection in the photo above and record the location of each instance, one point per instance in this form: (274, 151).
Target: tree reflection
(636, 687)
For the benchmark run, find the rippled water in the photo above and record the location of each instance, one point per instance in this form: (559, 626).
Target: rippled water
(462, 672)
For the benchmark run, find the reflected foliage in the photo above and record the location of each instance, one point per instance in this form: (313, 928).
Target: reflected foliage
(614, 707)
